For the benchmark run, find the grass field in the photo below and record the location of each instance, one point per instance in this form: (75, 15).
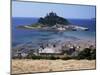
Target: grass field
(28, 66)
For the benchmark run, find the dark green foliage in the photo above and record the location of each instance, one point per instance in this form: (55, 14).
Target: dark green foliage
(41, 21)
(36, 57)
(66, 58)
(14, 57)
(52, 58)
(93, 54)
(30, 54)
(87, 53)
(84, 54)
(52, 19)
(42, 57)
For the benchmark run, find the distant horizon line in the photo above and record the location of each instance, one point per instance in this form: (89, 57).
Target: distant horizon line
(64, 17)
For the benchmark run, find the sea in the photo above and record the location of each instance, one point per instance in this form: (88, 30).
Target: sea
(23, 36)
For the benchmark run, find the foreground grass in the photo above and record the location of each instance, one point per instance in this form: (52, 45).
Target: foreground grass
(27, 65)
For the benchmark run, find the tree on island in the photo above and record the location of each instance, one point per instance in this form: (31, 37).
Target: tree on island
(52, 19)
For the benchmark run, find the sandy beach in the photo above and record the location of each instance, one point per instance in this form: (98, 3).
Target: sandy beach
(28, 66)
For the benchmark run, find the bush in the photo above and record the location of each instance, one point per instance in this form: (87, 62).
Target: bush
(84, 54)
(87, 53)
(57, 57)
(43, 57)
(93, 54)
(66, 58)
(36, 57)
(52, 58)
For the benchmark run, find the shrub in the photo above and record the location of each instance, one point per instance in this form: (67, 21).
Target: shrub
(93, 54)
(66, 58)
(52, 58)
(58, 57)
(87, 53)
(43, 57)
(36, 57)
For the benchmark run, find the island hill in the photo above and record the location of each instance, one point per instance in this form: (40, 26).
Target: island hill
(53, 22)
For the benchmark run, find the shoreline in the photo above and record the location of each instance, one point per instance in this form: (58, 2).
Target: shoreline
(56, 27)
(66, 41)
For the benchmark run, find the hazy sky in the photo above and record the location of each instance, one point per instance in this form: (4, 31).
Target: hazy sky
(31, 9)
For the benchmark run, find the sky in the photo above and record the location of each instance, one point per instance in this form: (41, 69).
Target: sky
(33, 9)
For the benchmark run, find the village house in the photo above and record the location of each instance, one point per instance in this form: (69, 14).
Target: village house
(50, 50)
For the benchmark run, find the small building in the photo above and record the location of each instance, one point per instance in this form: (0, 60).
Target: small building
(49, 51)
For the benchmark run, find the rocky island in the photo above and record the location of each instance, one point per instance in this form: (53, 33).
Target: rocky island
(53, 22)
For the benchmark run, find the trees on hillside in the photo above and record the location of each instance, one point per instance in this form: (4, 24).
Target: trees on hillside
(52, 19)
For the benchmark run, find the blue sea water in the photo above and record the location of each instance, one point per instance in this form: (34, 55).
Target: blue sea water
(21, 36)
